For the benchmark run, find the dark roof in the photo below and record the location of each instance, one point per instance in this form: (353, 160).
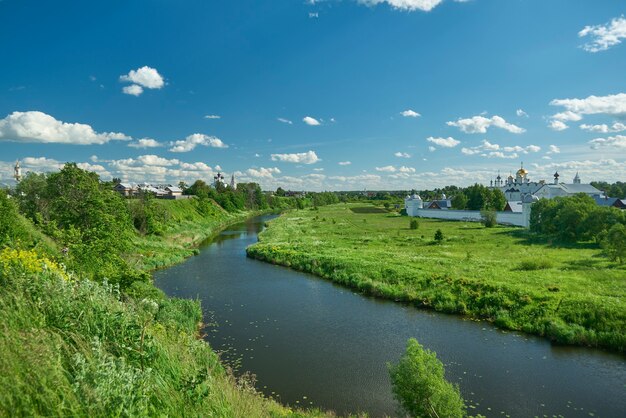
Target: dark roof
(610, 201)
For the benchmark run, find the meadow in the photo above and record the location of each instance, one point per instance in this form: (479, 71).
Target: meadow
(571, 294)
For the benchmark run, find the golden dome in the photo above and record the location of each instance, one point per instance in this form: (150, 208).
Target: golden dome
(522, 172)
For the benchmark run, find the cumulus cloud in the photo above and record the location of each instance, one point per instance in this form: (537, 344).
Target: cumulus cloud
(311, 121)
(408, 5)
(402, 155)
(480, 124)
(489, 150)
(567, 116)
(190, 143)
(283, 120)
(444, 142)
(431, 148)
(404, 169)
(212, 117)
(262, 172)
(604, 128)
(308, 157)
(553, 149)
(144, 143)
(557, 125)
(604, 36)
(387, 169)
(521, 113)
(612, 105)
(345, 162)
(617, 141)
(144, 77)
(133, 90)
(410, 114)
(36, 126)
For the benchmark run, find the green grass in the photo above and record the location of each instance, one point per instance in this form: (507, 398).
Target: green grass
(187, 226)
(78, 348)
(573, 294)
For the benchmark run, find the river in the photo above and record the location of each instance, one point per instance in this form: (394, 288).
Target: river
(312, 343)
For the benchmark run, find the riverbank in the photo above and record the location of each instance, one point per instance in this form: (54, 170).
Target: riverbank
(187, 227)
(570, 295)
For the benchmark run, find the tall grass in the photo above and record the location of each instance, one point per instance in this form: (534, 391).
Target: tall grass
(78, 348)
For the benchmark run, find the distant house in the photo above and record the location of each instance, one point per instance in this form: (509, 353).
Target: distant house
(611, 201)
(515, 207)
(125, 189)
(173, 192)
(439, 204)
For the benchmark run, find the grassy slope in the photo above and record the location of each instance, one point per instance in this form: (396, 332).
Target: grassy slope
(78, 348)
(575, 297)
(186, 229)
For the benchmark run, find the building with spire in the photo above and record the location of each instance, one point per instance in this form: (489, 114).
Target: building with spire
(233, 184)
(17, 171)
(516, 188)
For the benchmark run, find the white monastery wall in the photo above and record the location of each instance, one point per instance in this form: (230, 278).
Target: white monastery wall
(507, 218)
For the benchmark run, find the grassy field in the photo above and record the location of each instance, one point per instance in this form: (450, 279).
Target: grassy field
(572, 295)
(187, 227)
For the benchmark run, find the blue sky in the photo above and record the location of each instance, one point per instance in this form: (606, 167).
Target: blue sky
(319, 95)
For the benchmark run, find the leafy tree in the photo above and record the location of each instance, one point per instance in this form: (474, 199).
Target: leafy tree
(31, 196)
(495, 200)
(614, 243)
(280, 192)
(476, 196)
(459, 201)
(11, 230)
(420, 386)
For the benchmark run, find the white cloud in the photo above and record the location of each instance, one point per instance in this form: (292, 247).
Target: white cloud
(345, 162)
(444, 142)
(480, 124)
(521, 113)
(212, 117)
(41, 163)
(489, 150)
(189, 143)
(404, 169)
(387, 169)
(311, 121)
(613, 105)
(308, 157)
(567, 116)
(318, 169)
(144, 143)
(431, 148)
(283, 120)
(145, 76)
(617, 141)
(262, 172)
(553, 149)
(408, 5)
(410, 114)
(402, 155)
(133, 90)
(36, 126)
(557, 125)
(604, 128)
(604, 36)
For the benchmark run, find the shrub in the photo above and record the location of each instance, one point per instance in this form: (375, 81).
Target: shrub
(488, 218)
(530, 265)
(438, 236)
(418, 383)
(414, 224)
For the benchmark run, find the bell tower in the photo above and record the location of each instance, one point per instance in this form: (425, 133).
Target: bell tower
(17, 171)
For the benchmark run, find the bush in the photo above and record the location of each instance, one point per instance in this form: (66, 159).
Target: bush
(414, 224)
(438, 236)
(489, 218)
(530, 265)
(614, 243)
(418, 383)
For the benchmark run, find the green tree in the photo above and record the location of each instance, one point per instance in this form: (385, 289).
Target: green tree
(614, 243)
(459, 201)
(11, 229)
(495, 200)
(31, 196)
(420, 386)
(438, 236)
(414, 224)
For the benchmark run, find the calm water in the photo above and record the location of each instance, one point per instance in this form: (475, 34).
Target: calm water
(310, 342)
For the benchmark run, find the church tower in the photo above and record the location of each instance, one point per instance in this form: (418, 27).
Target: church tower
(577, 178)
(17, 171)
(233, 184)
